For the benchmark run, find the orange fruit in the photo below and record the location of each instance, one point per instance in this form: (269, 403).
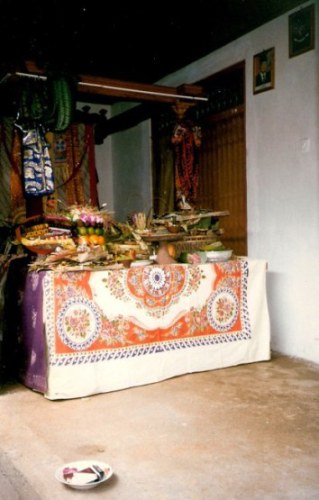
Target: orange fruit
(94, 239)
(101, 240)
(83, 240)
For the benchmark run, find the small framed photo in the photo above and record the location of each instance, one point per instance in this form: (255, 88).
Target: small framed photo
(264, 71)
(302, 31)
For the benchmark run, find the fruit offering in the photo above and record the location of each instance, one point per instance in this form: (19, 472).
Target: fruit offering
(89, 227)
(90, 230)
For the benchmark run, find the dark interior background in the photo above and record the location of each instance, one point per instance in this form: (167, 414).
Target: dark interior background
(132, 41)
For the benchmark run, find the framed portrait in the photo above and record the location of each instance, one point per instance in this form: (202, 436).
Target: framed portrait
(302, 31)
(264, 71)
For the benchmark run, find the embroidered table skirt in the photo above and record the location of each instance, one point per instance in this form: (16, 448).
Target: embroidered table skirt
(88, 332)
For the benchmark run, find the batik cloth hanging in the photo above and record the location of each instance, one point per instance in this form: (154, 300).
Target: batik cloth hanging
(73, 157)
(73, 162)
(12, 199)
(36, 161)
(186, 140)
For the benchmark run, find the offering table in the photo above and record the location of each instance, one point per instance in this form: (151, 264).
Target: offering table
(88, 332)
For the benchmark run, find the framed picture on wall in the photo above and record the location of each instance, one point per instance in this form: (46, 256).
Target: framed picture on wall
(264, 71)
(302, 31)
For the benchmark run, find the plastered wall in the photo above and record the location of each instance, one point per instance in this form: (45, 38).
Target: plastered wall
(282, 137)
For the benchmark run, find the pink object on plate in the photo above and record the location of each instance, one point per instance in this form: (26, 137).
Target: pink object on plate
(84, 474)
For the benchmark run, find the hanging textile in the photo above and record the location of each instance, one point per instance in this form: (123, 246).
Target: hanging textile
(12, 200)
(36, 163)
(72, 156)
(186, 140)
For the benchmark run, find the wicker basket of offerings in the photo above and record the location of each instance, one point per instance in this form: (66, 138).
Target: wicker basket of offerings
(42, 236)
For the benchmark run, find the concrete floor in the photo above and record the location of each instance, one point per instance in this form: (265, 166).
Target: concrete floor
(246, 432)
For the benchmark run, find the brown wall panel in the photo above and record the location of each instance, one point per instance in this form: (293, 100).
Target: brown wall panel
(223, 174)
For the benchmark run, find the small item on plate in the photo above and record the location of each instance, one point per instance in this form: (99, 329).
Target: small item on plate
(197, 257)
(81, 476)
(68, 472)
(98, 471)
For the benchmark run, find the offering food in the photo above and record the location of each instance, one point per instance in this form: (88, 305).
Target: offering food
(86, 236)
(192, 257)
(84, 474)
(216, 246)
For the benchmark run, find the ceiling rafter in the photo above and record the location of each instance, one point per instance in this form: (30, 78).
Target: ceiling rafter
(134, 91)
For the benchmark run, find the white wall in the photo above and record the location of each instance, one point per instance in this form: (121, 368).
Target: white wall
(132, 171)
(104, 167)
(123, 165)
(282, 132)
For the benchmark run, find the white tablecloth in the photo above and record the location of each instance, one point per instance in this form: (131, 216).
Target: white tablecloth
(113, 329)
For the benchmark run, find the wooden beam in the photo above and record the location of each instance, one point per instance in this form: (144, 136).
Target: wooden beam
(96, 85)
(125, 120)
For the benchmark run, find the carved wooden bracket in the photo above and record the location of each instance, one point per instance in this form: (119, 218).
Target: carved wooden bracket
(180, 108)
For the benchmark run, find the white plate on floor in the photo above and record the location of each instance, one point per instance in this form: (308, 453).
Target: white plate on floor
(71, 475)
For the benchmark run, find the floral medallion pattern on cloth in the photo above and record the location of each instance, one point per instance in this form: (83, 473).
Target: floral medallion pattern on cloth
(154, 288)
(79, 323)
(222, 309)
(139, 311)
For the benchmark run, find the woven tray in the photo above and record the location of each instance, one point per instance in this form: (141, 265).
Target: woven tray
(194, 243)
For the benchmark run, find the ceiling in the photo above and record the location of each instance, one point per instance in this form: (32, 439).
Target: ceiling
(129, 41)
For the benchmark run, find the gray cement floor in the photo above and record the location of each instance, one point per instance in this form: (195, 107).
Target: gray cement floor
(246, 432)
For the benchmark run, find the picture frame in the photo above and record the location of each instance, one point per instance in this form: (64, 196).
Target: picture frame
(264, 71)
(302, 31)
